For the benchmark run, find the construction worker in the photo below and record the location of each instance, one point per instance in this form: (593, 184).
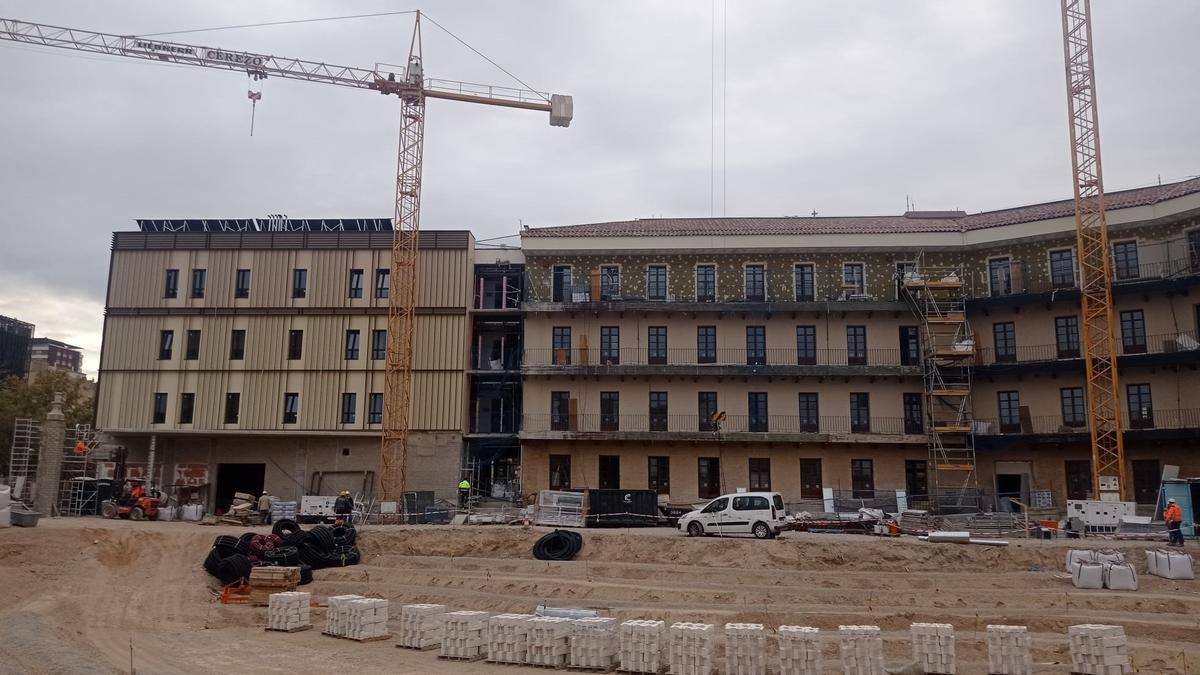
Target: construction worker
(80, 449)
(1173, 516)
(343, 507)
(464, 493)
(264, 507)
(136, 492)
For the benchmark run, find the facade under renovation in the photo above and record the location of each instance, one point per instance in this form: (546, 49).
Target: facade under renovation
(692, 357)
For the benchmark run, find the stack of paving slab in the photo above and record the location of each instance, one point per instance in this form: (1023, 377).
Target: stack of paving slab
(337, 617)
(642, 643)
(692, 648)
(421, 626)
(549, 641)
(1097, 649)
(464, 634)
(862, 650)
(745, 649)
(1008, 650)
(593, 643)
(933, 647)
(799, 650)
(289, 611)
(507, 638)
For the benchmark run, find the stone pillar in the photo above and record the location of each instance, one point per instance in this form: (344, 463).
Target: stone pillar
(50, 458)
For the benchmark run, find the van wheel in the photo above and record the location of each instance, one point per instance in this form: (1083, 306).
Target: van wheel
(761, 531)
(695, 529)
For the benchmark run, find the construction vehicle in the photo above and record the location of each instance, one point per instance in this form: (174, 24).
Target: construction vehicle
(134, 503)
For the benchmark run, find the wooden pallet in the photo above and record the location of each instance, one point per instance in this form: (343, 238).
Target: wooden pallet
(593, 669)
(420, 649)
(290, 630)
(370, 639)
(464, 659)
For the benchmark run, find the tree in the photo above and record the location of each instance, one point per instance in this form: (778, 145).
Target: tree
(20, 398)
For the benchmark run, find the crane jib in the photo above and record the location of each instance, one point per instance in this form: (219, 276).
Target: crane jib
(202, 53)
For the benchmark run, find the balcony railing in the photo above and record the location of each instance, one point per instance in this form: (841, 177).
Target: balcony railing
(641, 356)
(1148, 418)
(1017, 280)
(693, 424)
(1161, 343)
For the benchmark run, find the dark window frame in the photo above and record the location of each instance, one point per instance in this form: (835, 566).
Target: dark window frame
(756, 345)
(241, 284)
(1133, 331)
(806, 345)
(560, 283)
(560, 411)
(706, 344)
(657, 282)
(754, 282)
(233, 407)
(171, 283)
(1004, 341)
(658, 408)
(1139, 402)
(353, 344)
(759, 469)
(187, 407)
(658, 474)
(758, 414)
(375, 407)
(854, 276)
(809, 411)
(856, 345)
(559, 472)
(291, 407)
(860, 412)
(354, 286)
(706, 283)
(610, 282)
(1062, 270)
(560, 345)
(804, 282)
(166, 344)
(610, 411)
(610, 345)
(656, 345)
(708, 477)
(913, 405)
(299, 283)
(862, 478)
(383, 282)
(349, 407)
(706, 408)
(1073, 406)
(379, 344)
(910, 345)
(199, 279)
(159, 414)
(295, 344)
(1008, 411)
(191, 345)
(1125, 259)
(1066, 337)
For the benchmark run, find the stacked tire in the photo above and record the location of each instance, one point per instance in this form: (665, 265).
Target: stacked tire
(232, 558)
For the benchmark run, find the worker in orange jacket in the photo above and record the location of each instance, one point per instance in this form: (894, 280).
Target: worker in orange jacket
(1173, 516)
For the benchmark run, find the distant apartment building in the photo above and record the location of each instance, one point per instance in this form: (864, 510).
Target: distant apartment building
(16, 337)
(50, 354)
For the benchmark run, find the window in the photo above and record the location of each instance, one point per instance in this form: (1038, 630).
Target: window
(1066, 336)
(1062, 268)
(756, 345)
(187, 407)
(806, 345)
(1147, 478)
(356, 284)
(1010, 412)
(375, 408)
(299, 283)
(233, 404)
(382, 282)
(706, 283)
(708, 479)
(706, 344)
(656, 345)
(755, 283)
(1125, 260)
(166, 340)
(160, 409)
(810, 479)
(191, 347)
(760, 477)
(241, 284)
(295, 344)
(1004, 337)
(1000, 276)
(560, 472)
(1141, 408)
(910, 346)
(860, 413)
(561, 280)
(610, 345)
(862, 478)
(560, 342)
(378, 344)
(916, 478)
(706, 410)
(610, 282)
(804, 279)
(351, 345)
(610, 411)
(198, 277)
(853, 280)
(903, 271)
(1079, 478)
(856, 345)
(171, 284)
(809, 412)
(658, 474)
(349, 406)
(609, 470)
(1074, 410)
(291, 407)
(560, 405)
(914, 414)
(756, 407)
(751, 503)
(1133, 331)
(237, 344)
(658, 411)
(656, 282)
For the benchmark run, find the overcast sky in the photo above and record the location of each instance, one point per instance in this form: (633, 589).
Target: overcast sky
(844, 108)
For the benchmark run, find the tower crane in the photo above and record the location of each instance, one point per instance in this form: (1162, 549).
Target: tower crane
(1095, 271)
(412, 88)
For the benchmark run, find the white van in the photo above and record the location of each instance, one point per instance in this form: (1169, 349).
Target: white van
(757, 513)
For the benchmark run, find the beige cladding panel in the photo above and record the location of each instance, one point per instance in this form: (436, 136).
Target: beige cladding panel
(438, 400)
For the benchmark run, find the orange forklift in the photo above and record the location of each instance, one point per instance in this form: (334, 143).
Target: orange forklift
(134, 503)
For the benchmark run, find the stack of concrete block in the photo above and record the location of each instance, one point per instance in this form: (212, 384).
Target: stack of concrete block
(593, 643)
(799, 650)
(745, 649)
(1097, 649)
(337, 617)
(862, 650)
(289, 611)
(692, 648)
(641, 645)
(549, 640)
(933, 647)
(507, 638)
(1008, 650)
(421, 626)
(368, 619)
(464, 634)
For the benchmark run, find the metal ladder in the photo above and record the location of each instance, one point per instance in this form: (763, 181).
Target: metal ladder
(22, 469)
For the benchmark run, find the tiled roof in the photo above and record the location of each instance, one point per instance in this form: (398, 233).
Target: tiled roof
(683, 227)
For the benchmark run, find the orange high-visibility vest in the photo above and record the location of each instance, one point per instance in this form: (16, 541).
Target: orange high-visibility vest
(1172, 513)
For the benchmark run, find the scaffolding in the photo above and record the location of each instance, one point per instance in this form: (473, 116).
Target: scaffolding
(77, 493)
(22, 469)
(937, 295)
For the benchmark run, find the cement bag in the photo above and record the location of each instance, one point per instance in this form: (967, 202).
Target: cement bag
(1109, 557)
(1175, 565)
(1088, 575)
(1152, 563)
(5, 496)
(1076, 556)
(1120, 577)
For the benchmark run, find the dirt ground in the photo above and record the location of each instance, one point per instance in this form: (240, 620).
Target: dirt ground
(89, 596)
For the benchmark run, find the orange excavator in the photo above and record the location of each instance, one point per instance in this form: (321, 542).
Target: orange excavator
(134, 503)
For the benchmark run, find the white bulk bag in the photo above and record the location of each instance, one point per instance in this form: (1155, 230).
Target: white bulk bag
(1076, 556)
(1175, 565)
(1152, 563)
(1109, 556)
(5, 496)
(1088, 575)
(5, 517)
(1120, 577)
